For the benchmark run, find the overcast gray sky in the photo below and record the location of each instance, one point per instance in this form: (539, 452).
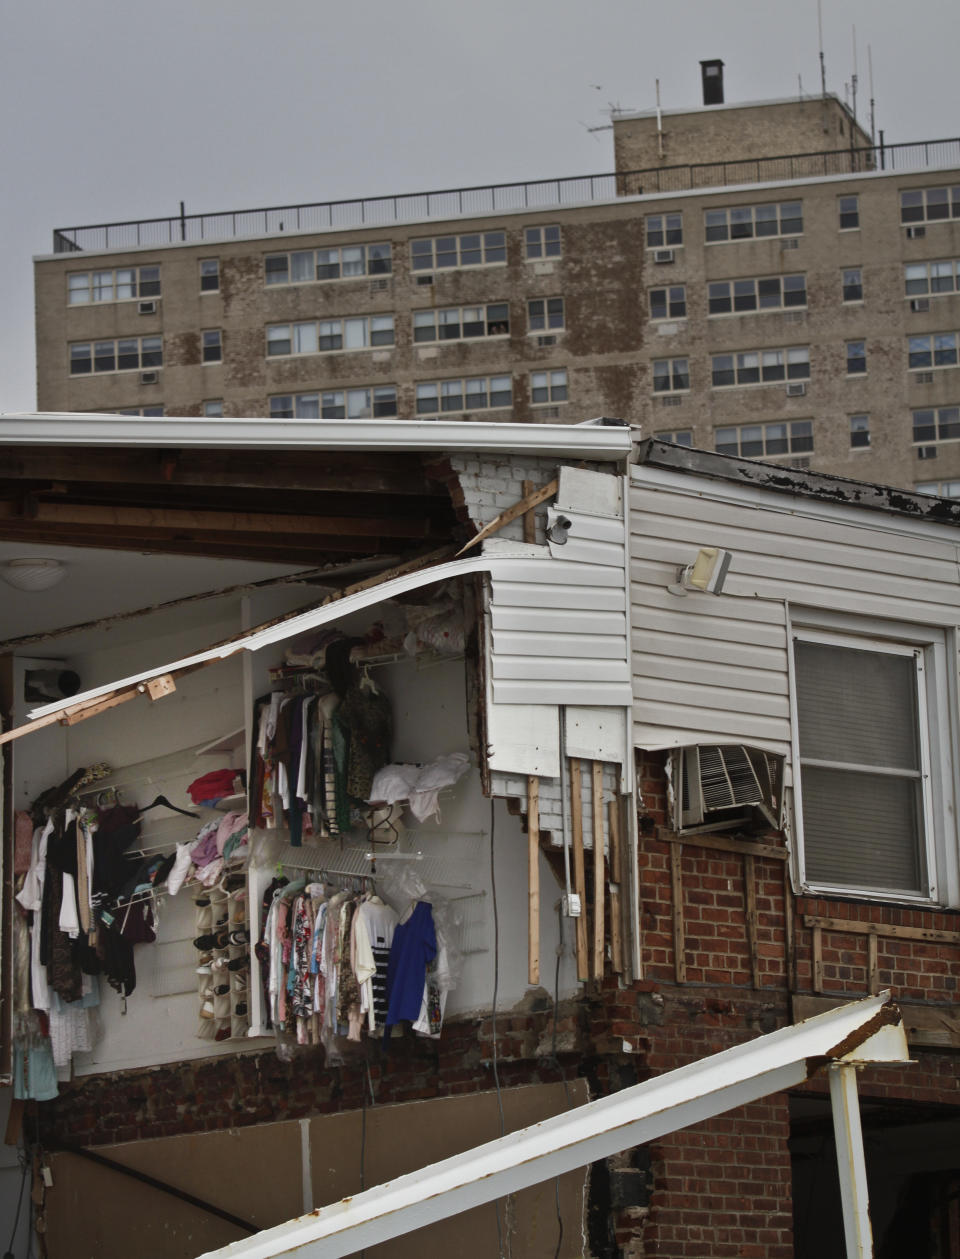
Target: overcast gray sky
(117, 110)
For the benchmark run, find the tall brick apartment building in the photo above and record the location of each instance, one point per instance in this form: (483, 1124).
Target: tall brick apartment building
(752, 793)
(761, 280)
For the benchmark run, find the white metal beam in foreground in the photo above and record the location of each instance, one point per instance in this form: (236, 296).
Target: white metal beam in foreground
(864, 1031)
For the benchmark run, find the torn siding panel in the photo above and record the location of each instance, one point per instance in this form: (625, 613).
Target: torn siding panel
(524, 739)
(595, 732)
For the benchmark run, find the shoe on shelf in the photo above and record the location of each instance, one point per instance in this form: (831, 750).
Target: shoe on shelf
(240, 1009)
(206, 1010)
(239, 937)
(221, 990)
(239, 963)
(222, 1033)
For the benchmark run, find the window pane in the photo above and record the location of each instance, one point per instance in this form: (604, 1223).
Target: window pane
(78, 289)
(354, 334)
(674, 229)
(716, 221)
(381, 330)
(384, 401)
(304, 338)
(424, 325)
(151, 351)
(126, 284)
(281, 408)
(80, 362)
(495, 246)
(470, 253)
(681, 374)
(149, 281)
(330, 335)
(751, 441)
(308, 406)
(451, 395)
(328, 264)
(767, 220)
(358, 404)
(427, 399)
(278, 339)
(726, 441)
(801, 436)
(741, 222)
(277, 269)
(302, 266)
(655, 236)
(332, 406)
(352, 261)
(379, 259)
(105, 357)
(920, 352)
(534, 248)
(422, 254)
(551, 237)
(501, 394)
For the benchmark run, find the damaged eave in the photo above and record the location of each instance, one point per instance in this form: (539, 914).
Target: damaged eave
(821, 486)
(863, 1031)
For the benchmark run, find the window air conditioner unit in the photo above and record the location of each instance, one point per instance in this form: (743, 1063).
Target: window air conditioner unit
(149, 378)
(147, 308)
(926, 452)
(548, 413)
(924, 378)
(718, 787)
(801, 462)
(794, 316)
(664, 255)
(790, 243)
(379, 286)
(670, 402)
(920, 303)
(546, 340)
(796, 389)
(916, 232)
(424, 279)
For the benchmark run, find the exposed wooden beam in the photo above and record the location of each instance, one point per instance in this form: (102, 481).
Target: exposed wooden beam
(533, 879)
(579, 873)
(599, 882)
(518, 509)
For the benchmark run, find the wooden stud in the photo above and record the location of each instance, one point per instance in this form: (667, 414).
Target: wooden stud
(789, 945)
(724, 843)
(599, 882)
(679, 934)
(818, 959)
(750, 902)
(579, 873)
(616, 932)
(533, 879)
(873, 968)
(529, 519)
(884, 929)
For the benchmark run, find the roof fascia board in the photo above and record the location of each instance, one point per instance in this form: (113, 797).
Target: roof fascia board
(862, 1031)
(787, 503)
(582, 441)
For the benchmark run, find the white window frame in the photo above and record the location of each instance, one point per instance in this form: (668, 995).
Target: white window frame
(546, 320)
(740, 363)
(536, 246)
(551, 381)
(493, 240)
(447, 388)
(935, 413)
(367, 329)
(325, 400)
(440, 317)
(369, 266)
(920, 213)
(213, 270)
(664, 230)
(916, 286)
(666, 297)
(933, 365)
(860, 428)
(676, 435)
(155, 353)
(95, 282)
(936, 698)
(768, 434)
(949, 488)
(845, 286)
(671, 375)
(211, 339)
(740, 213)
(763, 304)
(855, 358)
(842, 213)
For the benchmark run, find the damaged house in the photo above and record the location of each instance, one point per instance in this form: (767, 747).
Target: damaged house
(642, 752)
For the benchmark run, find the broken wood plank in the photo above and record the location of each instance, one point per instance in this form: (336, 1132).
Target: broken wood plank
(750, 904)
(679, 932)
(533, 879)
(873, 968)
(930, 935)
(529, 519)
(616, 933)
(724, 843)
(156, 688)
(817, 944)
(518, 509)
(599, 882)
(936, 1027)
(789, 945)
(579, 873)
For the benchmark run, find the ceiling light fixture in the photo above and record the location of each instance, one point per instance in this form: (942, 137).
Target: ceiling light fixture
(33, 574)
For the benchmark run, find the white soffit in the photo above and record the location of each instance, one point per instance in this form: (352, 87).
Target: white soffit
(584, 441)
(863, 1031)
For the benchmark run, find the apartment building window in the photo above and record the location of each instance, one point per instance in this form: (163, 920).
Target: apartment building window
(545, 314)
(548, 386)
(856, 358)
(209, 275)
(775, 292)
(126, 354)
(679, 436)
(142, 412)
(929, 205)
(928, 279)
(458, 323)
(761, 367)
(473, 249)
(671, 375)
(669, 303)
(542, 242)
(212, 345)
(936, 424)
(859, 431)
(942, 489)
(341, 262)
(756, 441)
(213, 408)
(937, 350)
(118, 284)
(748, 222)
(852, 285)
(664, 230)
(863, 752)
(478, 394)
(849, 211)
(325, 335)
(373, 402)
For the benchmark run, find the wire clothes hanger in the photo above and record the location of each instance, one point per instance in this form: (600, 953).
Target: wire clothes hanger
(165, 803)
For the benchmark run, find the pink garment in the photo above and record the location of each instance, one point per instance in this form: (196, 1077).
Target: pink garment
(230, 823)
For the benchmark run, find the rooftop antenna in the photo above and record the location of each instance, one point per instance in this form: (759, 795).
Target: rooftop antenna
(853, 77)
(873, 130)
(659, 124)
(823, 64)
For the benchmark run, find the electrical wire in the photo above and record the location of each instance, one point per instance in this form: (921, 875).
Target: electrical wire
(16, 1219)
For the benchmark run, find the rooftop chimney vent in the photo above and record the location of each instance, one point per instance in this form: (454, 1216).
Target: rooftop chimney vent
(711, 72)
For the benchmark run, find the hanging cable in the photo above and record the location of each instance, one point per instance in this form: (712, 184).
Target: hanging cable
(22, 1156)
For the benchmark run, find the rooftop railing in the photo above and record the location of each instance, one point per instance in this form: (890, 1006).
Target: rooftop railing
(537, 194)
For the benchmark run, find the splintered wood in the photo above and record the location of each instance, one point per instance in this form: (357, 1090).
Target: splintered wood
(579, 871)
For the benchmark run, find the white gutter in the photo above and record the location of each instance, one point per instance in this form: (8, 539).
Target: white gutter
(580, 441)
(864, 1031)
(308, 620)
